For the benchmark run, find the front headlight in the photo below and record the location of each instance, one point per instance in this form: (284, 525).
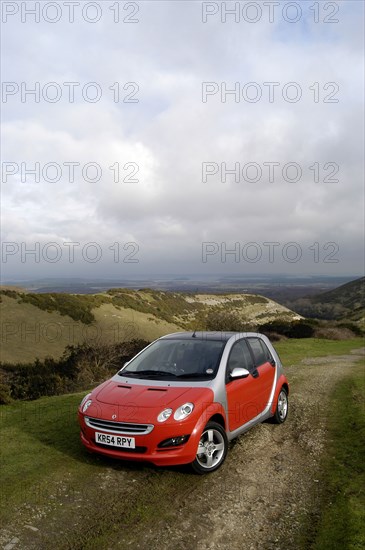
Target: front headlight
(184, 411)
(85, 403)
(164, 415)
(84, 399)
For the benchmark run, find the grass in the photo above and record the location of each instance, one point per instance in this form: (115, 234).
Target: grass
(341, 521)
(293, 350)
(39, 444)
(87, 500)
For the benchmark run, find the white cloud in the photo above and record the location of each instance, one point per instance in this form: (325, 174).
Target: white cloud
(171, 132)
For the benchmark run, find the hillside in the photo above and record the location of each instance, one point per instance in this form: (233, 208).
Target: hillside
(350, 296)
(345, 302)
(40, 325)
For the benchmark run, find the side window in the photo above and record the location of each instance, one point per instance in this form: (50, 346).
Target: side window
(239, 357)
(260, 352)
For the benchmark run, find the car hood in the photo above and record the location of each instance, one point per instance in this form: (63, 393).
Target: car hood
(113, 393)
(142, 403)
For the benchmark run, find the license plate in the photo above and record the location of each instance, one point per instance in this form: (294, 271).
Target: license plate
(115, 440)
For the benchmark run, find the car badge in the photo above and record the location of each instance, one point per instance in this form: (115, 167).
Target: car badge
(114, 416)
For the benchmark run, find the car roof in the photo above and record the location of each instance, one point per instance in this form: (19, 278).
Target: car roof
(221, 336)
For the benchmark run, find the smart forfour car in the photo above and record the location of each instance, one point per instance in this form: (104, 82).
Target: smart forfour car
(184, 397)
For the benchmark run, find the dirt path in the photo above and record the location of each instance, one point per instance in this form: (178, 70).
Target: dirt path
(270, 479)
(258, 500)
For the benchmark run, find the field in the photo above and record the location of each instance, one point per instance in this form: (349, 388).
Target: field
(274, 491)
(40, 325)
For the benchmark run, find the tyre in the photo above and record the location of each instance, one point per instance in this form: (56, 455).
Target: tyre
(212, 449)
(282, 407)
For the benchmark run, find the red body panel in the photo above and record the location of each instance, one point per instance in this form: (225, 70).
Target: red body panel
(131, 412)
(241, 400)
(248, 397)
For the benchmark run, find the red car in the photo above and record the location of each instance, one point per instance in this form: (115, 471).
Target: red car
(184, 397)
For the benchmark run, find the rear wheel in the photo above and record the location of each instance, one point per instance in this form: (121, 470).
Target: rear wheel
(212, 449)
(282, 407)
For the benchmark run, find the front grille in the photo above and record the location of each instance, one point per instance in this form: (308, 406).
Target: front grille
(139, 450)
(118, 427)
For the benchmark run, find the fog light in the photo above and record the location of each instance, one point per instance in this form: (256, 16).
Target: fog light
(174, 441)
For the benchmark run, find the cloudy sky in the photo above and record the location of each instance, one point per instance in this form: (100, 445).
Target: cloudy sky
(174, 137)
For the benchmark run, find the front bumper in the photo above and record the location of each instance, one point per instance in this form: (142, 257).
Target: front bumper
(147, 445)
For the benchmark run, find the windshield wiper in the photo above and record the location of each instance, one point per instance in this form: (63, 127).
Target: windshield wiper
(147, 373)
(195, 375)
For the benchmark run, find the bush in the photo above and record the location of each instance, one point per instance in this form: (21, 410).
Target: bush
(355, 329)
(275, 337)
(226, 321)
(80, 367)
(9, 293)
(78, 307)
(334, 333)
(296, 329)
(5, 397)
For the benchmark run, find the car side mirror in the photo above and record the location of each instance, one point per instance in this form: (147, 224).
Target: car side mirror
(239, 372)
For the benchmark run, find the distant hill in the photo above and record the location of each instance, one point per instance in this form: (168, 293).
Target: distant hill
(345, 302)
(40, 325)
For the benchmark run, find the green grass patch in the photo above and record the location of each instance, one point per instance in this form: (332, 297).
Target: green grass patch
(338, 518)
(294, 350)
(49, 480)
(342, 523)
(35, 439)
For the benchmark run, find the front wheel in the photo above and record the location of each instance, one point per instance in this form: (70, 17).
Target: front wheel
(282, 406)
(212, 449)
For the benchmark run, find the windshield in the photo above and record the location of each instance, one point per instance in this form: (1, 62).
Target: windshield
(177, 359)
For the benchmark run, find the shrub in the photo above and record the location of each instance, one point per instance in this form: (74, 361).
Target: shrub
(355, 329)
(334, 333)
(5, 397)
(9, 293)
(226, 321)
(78, 307)
(80, 367)
(296, 329)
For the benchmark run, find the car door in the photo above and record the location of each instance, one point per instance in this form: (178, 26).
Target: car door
(265, 367)
(241, 393)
